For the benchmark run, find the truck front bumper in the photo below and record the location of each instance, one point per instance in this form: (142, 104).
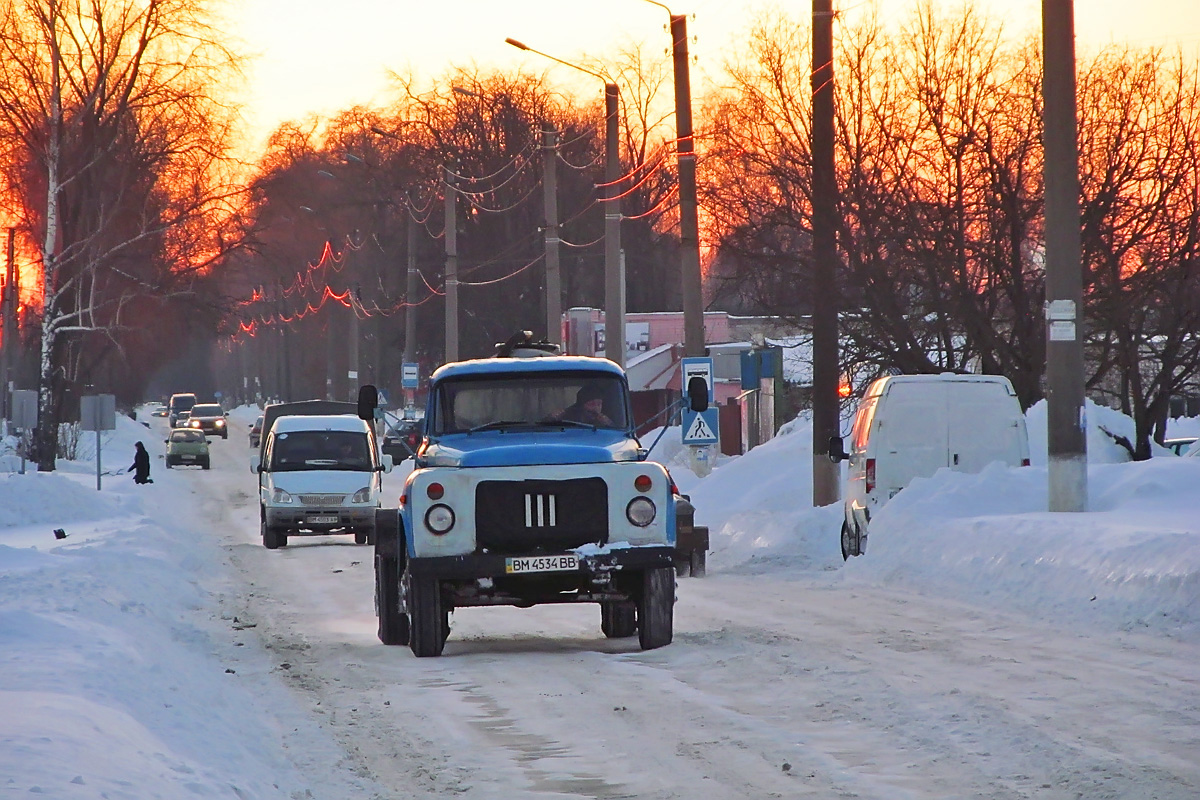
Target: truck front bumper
(496, 565)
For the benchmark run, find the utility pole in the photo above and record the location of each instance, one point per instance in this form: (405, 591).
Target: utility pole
(451, 197)
(410, 307)
(826, 421)
(689, 227)
(550, 204)
(1066, 421)
(8, 310)
(614, 262)
(352, 370)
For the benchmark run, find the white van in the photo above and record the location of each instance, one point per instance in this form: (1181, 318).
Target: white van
(910, 426)
(317, 475)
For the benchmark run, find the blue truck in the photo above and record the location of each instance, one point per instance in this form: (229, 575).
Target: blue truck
(530, 486)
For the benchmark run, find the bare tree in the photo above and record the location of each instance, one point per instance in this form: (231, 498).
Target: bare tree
(120, 168)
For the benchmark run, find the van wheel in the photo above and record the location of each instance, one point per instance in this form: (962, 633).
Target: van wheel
(429, 622)
(851, 541)
(272, 538)
(656, 608)
(618, 620)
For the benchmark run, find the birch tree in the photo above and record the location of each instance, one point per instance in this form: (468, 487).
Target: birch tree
(118, 164)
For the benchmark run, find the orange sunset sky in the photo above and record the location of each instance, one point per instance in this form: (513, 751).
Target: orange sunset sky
(319, 56)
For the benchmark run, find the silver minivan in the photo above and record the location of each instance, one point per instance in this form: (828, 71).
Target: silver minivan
(910, 426)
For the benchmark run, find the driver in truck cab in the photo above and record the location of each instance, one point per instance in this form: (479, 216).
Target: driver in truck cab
(588, 407)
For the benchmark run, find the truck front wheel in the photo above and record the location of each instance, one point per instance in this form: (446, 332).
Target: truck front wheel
(656, 608)
(428, 619)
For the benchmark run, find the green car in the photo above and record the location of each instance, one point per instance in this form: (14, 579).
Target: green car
(187, 448)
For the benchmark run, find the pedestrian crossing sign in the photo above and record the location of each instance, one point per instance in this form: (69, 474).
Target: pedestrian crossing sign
(700, 427)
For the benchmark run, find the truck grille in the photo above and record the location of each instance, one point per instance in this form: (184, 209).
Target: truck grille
(528, 516)
(322, 499)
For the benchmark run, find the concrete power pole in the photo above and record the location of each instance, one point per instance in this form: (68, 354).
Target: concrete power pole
(451, 197)
(410, 291)
(614, 262)
(352, 369)
(1066, 421)
(824, 296)
(550, 204)
(689, 227)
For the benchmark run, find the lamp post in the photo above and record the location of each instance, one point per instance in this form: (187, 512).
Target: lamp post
(614, 266)
(689, 226)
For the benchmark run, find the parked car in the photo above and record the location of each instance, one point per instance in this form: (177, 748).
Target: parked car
(402, 439)
(210, 418)
(256, 432)
(910, 426)
(1181, 446)
(187, 448)
(178, 404)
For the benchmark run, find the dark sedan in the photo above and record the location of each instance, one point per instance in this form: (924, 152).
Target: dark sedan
(210, 418)
(402, 439)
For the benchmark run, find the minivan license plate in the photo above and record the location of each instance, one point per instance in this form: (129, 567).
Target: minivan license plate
(322, 520)
(541, 564)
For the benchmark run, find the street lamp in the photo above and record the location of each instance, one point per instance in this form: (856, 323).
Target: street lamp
(614, 266)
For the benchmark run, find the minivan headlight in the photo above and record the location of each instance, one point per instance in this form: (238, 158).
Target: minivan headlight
(363, 495)
(280, 496)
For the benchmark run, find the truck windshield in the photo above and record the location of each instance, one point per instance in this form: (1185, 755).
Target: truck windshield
(305, 450)
(481, 402)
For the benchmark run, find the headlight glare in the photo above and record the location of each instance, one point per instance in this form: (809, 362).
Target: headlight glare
(641, 511)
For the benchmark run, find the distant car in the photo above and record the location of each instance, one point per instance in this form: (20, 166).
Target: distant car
(180, 420)
(1182, 446)
(187, 448)
(159, 410)
(402, 439)
(210, 418)
(178, 405)
(256, 432)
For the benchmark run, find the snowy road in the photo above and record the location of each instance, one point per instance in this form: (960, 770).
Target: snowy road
(777, 685)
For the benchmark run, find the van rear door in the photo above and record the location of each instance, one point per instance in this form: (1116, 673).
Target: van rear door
(911, 440)
(985, 425)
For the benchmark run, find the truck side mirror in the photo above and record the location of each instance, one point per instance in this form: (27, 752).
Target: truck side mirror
(697, 394)
(368, 401)
(837, 450)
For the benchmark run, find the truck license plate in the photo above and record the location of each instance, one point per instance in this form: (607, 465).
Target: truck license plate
(322, 520)
(541, 564)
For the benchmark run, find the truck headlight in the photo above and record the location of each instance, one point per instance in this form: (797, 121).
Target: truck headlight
(280, 496)
(363, 495)
(641, 511)
(439, 519)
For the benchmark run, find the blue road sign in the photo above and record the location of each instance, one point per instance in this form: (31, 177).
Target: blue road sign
(701, 427)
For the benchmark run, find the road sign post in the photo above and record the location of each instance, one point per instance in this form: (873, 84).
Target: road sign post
(97, 413)
(701, 429)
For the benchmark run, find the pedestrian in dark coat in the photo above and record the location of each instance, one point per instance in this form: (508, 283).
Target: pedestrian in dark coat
(141, 465)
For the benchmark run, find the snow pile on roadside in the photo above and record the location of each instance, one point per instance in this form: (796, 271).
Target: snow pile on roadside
(121, 677)
(1131, 562)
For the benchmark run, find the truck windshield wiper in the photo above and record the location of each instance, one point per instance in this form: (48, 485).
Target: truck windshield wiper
(502, 423)
(574, 424)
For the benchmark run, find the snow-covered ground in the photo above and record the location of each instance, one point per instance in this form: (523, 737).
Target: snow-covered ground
(129, 671)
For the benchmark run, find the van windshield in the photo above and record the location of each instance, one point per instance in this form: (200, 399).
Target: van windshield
(183, 402)
(298, 451)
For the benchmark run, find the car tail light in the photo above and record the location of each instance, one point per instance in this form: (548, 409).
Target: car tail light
(412, 441)
(870, 474)
(435, 491)
(643, 483)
